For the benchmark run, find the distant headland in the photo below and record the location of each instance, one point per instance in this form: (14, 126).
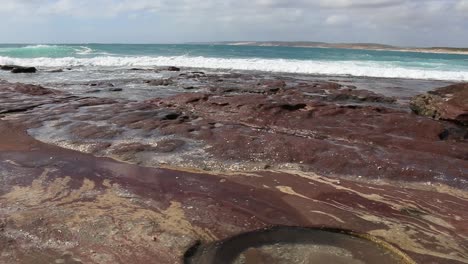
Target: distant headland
(363, 46)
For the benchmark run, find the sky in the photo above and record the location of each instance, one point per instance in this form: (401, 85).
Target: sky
(397, 22)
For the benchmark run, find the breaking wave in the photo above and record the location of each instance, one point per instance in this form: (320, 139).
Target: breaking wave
(354, 68)
(35, 51)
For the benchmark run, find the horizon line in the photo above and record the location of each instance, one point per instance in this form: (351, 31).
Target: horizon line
(224, 42)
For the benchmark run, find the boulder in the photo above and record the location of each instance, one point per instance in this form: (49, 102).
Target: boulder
(446, 103)
(18, 69)
(7, 67)
(24, 70)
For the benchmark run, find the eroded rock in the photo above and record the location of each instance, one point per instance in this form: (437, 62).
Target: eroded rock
(448, 103)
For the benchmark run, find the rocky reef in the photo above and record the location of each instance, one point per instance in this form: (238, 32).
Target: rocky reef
(89, 179)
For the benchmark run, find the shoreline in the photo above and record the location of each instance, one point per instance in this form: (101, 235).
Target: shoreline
(351, 47)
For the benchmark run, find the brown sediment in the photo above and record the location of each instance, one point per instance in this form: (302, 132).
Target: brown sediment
(62, 205)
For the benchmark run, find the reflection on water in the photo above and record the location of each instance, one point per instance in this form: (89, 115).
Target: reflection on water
(296, 245)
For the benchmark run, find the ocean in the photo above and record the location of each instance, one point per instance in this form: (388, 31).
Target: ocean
(319, 61)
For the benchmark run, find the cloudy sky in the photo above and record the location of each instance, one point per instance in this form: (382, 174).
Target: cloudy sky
(400, 22)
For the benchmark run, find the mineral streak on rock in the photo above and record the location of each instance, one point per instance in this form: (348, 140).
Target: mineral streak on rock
(271, 152)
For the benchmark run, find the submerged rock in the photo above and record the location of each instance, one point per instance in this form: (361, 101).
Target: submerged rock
(447, 103)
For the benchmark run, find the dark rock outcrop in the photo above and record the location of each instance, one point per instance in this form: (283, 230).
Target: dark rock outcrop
(115, 89)
(7, 67)
(101, 84)
(18, 69)
(447, 103)
(159, 82)
(173, 68)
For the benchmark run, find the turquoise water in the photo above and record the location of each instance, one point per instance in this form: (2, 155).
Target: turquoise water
(390, 64)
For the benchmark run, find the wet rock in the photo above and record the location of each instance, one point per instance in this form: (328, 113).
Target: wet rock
(328, 143)
(30, 89)
(115, 90)
(169, 145)
(160, 82)
(131, 148)
(93, 91)
(95, 101)
(3, 224)
(293, 107)
(24, 70)
(101, 84)
(320, 135)
(7, 67)
(18, 69)
(342, 93)
(185, 98)
(56, 71)
(180, 207)
(173, 68)
(273, 86)
(447, 103)
(168, 115)
(295, 126)
(192, 75)
(85, 130)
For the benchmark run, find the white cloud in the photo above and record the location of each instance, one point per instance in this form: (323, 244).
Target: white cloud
(463, 6)
(359, 3)
(336, 20)
(114, 7)
(395, 21)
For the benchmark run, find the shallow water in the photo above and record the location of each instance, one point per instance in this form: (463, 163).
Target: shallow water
(295, 245)
(81, 81)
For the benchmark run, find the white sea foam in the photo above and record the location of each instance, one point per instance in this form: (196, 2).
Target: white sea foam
(82, 50)
(40, 46)
(354, 68)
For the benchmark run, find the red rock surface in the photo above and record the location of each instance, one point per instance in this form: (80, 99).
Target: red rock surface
(448, 103)
(310, 154)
